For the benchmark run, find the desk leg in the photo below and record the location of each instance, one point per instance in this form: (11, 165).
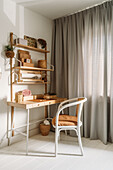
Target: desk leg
(27, 132)
(12, 119)
(8, 126)
(46, 111)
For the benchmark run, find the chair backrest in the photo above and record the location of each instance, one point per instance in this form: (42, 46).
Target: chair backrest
(78, 102)
(78, 105)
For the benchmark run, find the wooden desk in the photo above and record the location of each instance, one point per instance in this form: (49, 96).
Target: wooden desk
(36, 103)
(30, 105)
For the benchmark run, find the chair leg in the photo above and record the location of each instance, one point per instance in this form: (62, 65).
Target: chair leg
(66, 132)
(56, 141)
(59, 135)
(80, 142)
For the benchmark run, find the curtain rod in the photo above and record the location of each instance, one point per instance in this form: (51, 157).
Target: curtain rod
(85, 9)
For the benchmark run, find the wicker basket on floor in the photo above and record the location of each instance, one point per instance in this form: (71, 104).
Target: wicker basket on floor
(44, 129)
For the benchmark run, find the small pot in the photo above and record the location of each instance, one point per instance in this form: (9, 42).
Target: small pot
(9, 54)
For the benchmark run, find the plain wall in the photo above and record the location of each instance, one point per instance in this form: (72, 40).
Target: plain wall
(20, 21)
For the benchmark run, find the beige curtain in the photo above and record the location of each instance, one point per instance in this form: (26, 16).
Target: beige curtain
(111, 85)
(81, 53)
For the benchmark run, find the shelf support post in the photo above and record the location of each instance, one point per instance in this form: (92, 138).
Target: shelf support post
(46, 107)
(11, 65)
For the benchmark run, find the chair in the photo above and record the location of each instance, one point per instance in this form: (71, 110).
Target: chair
(67, 122)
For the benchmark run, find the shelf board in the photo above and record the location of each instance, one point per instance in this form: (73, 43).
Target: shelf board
(30, 83)
(31, 48)
(31, 68)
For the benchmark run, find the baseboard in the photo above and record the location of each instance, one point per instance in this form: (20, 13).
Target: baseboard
(18, 138)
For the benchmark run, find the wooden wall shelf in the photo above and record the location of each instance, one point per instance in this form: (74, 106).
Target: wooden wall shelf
(30, 83)
(31, 68)
(31, 48)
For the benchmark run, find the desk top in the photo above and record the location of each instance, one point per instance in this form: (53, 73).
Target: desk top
(36, 103)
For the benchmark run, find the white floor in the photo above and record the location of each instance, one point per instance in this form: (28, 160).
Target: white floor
(97, 156)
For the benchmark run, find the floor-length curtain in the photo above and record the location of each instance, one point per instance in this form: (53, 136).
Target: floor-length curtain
(111, 85)
(82, 55)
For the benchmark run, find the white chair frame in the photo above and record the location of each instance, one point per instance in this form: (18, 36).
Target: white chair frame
(76, 128)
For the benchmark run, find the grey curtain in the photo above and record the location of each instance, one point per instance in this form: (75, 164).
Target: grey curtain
(83, 59)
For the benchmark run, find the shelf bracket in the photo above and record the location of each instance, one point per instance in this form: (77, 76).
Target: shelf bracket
(18, 61)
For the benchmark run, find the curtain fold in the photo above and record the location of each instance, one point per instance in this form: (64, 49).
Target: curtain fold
(83, 58)
(110, 133)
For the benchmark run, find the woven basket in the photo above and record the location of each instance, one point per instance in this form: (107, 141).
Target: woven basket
(44, 129)
(41, 43)
(42, 63)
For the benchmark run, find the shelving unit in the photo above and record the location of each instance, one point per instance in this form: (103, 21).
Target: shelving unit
(45, 51)
(33, 103)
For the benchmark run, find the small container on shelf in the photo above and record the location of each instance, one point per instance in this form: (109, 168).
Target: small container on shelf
(42, 64)
(41, 43)
(27, 98)
(20, 41)
(18, 97)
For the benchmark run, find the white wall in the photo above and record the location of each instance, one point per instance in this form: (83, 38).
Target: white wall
(21, 21)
